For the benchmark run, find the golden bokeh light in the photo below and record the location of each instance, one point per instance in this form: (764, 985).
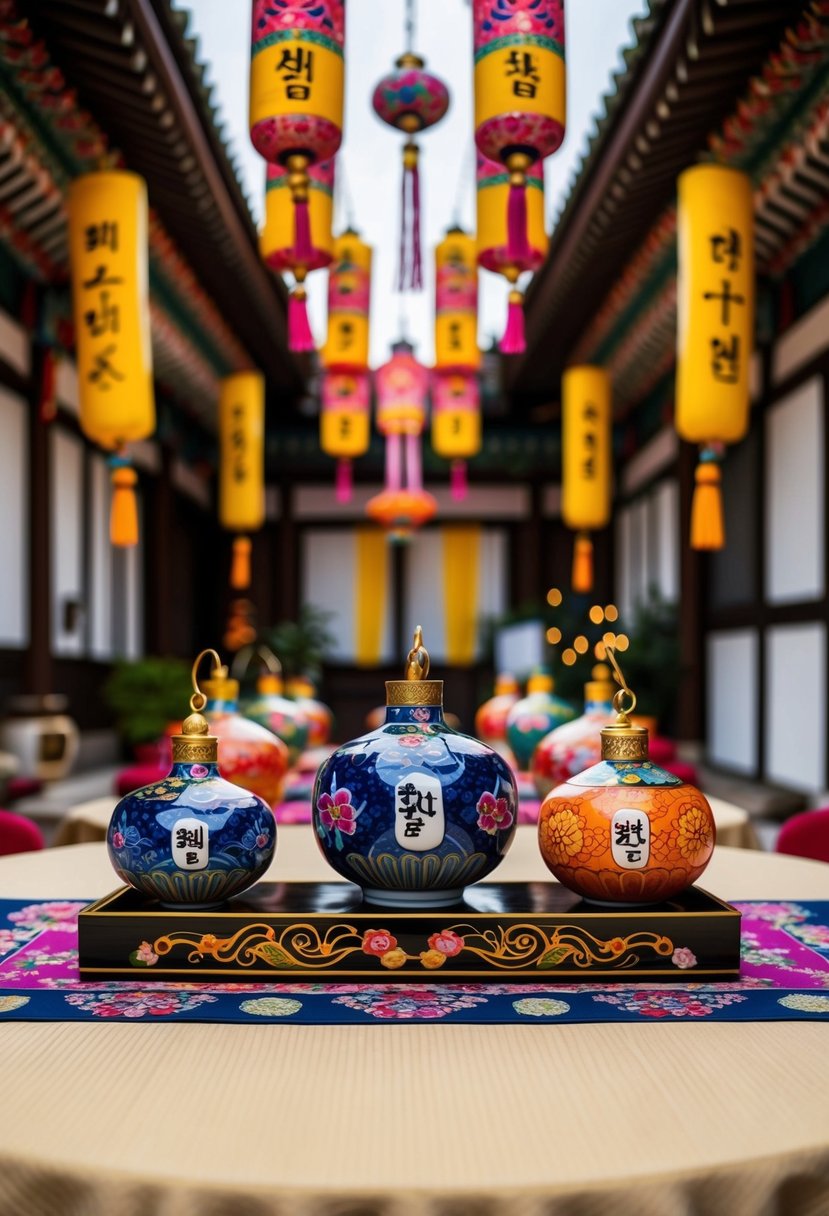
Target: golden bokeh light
(568, 657)
(609, 638)
(581, 644)
(600, 652)
(553, 636)
(622, 641)
(554, 597)
(596, 614)
(611, 612)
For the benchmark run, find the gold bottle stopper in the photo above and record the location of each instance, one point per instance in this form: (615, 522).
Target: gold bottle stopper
(195, 744)
(622, 740)
(415, 689)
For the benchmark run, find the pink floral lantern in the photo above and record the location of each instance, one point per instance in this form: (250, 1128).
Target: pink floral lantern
(345, 423)
(296, 111)
(410, 99)
(402, 386)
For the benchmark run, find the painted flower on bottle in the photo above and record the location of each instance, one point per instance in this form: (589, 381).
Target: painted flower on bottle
(494, 814)
(337, 814)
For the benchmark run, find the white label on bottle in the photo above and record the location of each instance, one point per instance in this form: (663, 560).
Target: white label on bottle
(418, 812)
(189, 841)
(630, 837)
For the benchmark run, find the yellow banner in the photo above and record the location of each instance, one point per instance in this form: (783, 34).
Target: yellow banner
(242, 452)
(370, 586)
(586, 457)
(461, 566)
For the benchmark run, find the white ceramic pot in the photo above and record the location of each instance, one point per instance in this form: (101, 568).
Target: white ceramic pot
(41, 735)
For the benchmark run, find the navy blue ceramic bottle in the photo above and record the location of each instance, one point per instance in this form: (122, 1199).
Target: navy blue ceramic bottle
(414, 811)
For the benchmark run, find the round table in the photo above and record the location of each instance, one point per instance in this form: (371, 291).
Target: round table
(725, 1119)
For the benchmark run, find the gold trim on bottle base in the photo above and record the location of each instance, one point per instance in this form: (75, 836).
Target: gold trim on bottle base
(414, 692)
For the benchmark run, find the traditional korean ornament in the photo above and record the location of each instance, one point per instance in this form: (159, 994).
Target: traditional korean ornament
(296, 109)
(110, 297)
(520, 105)
(345, 431)
(414, 812)
(402, 385)
(574, 746)
(242, 466)
(586, 463)
(626, 831)
(268, 706)
(491, 718)
(492, 238)
(410, 99)
(715, 328)
(456, 420)
(277, 236)
(193, 839)
(534, 716)
(252, 756)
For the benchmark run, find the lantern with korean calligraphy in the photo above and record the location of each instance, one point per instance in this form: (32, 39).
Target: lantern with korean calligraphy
(109, 268)
(456, 423)
(296, 108)
(715, 335)
(492, 238)
(586, 462)
(402, 385)
(242, 466)
(349, 297)
(276, 240)
(410, 99)
(345, 430)
(520, 97)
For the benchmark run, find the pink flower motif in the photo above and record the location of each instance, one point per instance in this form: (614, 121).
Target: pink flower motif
(261, 840)
(448, 942)
(420, 714)
(118, 840)
(198, 770)
(494, 814)
(337, 812)
(410, 740)
(144, 954)
(378, 941)
(683, 957)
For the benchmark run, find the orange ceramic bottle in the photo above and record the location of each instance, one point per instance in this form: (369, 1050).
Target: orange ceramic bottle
(625, 831)
(252, 756)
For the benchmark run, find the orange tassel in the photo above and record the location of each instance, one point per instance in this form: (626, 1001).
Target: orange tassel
(582, 563)
(707, 529)
(123, 519)
(240, 565)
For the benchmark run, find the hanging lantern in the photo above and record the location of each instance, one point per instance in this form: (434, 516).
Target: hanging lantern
(296, 108)
(520, 106)
(401, 386)
(410, 99)
(345, 430)
(456, 423)
(493, 238)
(276, 239)
(110, 289)
(586, 462)
(242, 466)
(349, 297)
(715, 328)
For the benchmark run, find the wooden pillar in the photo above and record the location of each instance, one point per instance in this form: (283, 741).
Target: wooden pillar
(691, 700)
(38, 667)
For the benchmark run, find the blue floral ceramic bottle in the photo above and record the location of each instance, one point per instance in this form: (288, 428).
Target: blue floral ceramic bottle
(414, 811)
(192, 840)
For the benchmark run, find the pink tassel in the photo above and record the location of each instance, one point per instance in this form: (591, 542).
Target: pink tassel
(343, 490)
(414, 469)
(518, 247)
(394, 462)
(458, 480)
(514, 341)
(303, 251)
(417, 265)
(300, 338)
(410, 274)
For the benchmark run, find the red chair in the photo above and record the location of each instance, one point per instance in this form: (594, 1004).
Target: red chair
(18, 834)
(806, 835)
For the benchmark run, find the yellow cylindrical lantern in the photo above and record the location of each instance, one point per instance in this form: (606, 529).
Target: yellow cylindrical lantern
(242, 465)
(456, 303)
(715, 327)
(345, 430)
(276, 240)
(586, 462)
(110, 299)
(349, 297)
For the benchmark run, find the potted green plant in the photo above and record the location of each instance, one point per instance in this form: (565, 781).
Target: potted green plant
(146, 695)
(301, 645)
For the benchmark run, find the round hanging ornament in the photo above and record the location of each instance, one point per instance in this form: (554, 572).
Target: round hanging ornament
(410, 99)
(296, 109)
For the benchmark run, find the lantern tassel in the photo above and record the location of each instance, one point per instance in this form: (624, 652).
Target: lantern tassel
(343, 482)
(458, 480)
(240, 564)
(300, 338)
(410, 275)
(582, 578)
(518, 246)
(707, 528)
(123, 519)
(514, 341)
(302, 232)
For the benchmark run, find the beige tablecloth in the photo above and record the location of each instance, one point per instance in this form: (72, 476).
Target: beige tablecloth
(89, 821)
(719, 1119)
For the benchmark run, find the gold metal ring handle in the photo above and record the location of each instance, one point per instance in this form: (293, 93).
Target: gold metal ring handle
(619, 702)
(417, 660)
(198, 699)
